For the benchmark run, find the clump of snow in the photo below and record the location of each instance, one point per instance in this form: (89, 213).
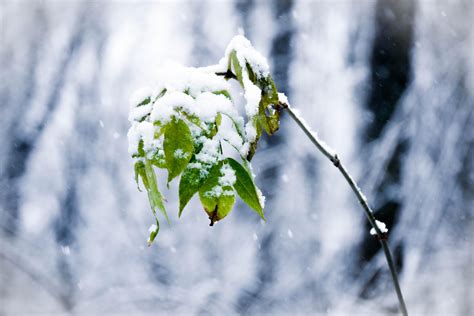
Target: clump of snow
(283, 98)
(215, 192)
(141, 131)
(246, 53)
(227, 177)
(209, 153)
(174, 77)
(382, 227)
(147, 133)
(180, 154)
(164, 107)
(252, 96)
(208, 105)
(138, 113)
(153, 228)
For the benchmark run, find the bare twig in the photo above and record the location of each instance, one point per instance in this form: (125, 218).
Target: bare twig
(326, 151)
(382, 237)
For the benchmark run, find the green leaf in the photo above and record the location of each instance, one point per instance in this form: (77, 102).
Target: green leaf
(154, 195)
(190, 183)
(162, 93)
(144, 101)
(252, 76)
(224, 93)
(217, 200)
(158, 159)
(268, 116)
(178, 147)
(218, 119)
(139, 171)
(194, 119)
(237, 67)
(245, 186)
(141, 151)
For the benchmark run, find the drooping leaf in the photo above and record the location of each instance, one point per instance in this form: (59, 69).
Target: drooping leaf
(245, 186)
(141, 151)
(139, 171)
(144, 101)
(154, 195)
(162, 93)
(237, 67)
(178, 147)
(252, 76)
(217, 200)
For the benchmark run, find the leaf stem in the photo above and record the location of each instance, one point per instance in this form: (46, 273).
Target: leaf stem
(360, 196)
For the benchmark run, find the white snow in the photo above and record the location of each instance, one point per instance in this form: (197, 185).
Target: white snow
(261, 198)
(138, 113)
(250, 131)
(175, 77)
(153, 228)
(252, 96)
(210, 151)
(208, 105)
(165, 106)
(381, 226)
(227, 177)
(179, 154)
(247, 53)
(283, 98)
(215, 192)
(139, 96)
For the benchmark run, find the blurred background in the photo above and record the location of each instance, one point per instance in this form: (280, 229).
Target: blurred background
(387, 83)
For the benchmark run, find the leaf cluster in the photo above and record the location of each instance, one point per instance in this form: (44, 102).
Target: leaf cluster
(191, 149)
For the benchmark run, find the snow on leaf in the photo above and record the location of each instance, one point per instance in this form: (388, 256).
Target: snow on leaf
(183, 124)
(217, 200)
(191, 181)
(178, 147)
(154, 195)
